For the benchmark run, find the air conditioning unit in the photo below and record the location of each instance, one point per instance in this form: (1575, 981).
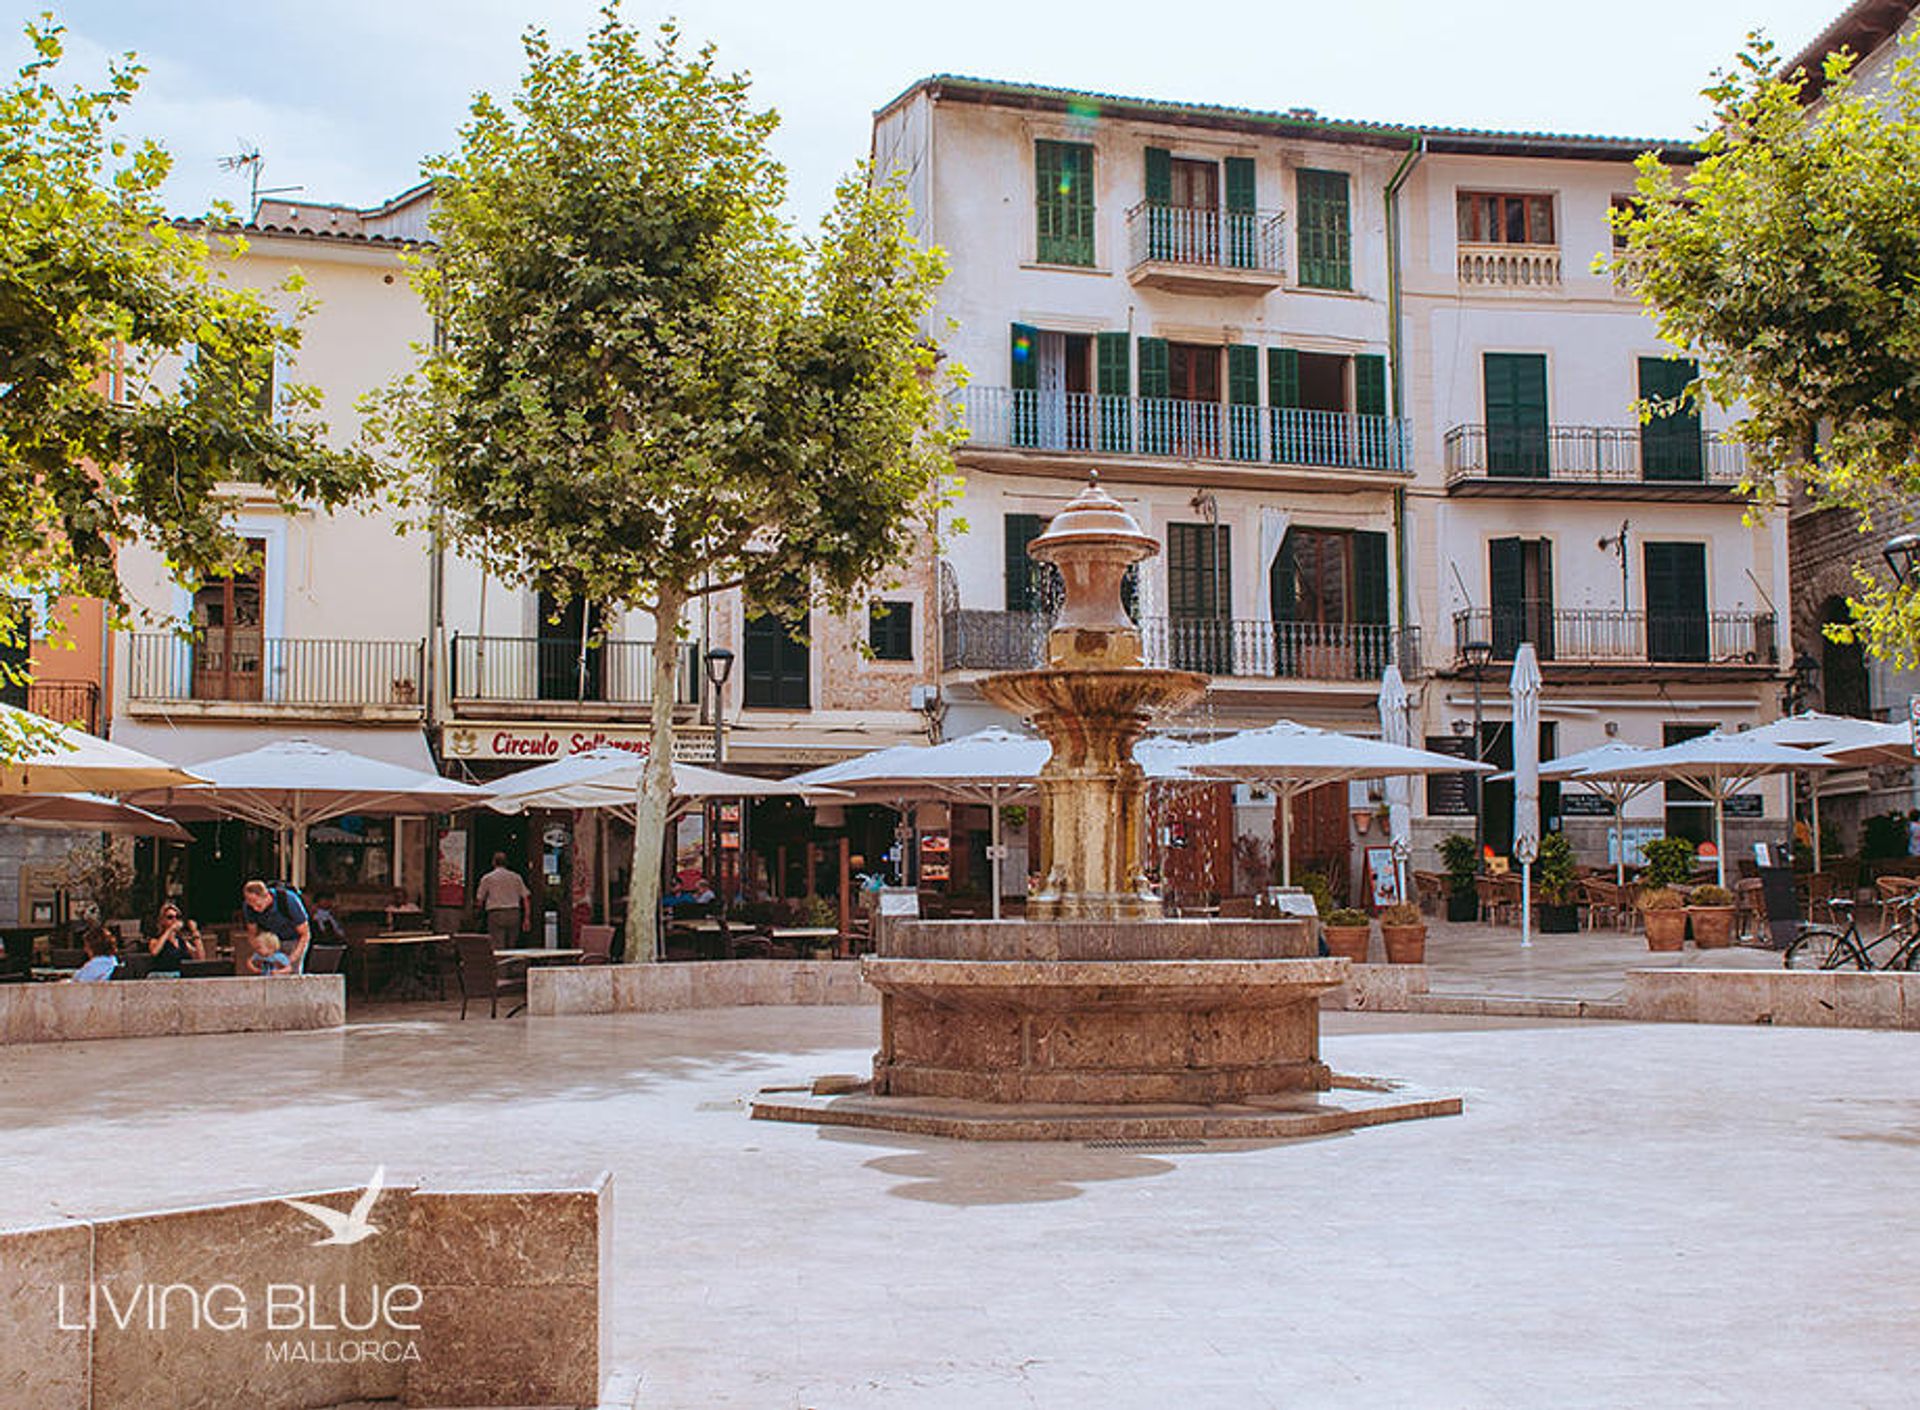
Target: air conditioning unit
(925, 697)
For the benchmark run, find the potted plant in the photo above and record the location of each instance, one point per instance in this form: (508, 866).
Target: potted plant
(1553, 885)
(1669, 861)
(1711, 912)
(1404, 932)
(1665, 912)
(1461, 859)
(1347, 933)
(822, 912)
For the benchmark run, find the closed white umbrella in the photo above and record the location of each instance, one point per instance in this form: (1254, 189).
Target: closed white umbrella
(1291, 759)
(87, 812)
(1396, 727)
(293, 784)
(40, 756)
(1718, 765)
(1524, 689)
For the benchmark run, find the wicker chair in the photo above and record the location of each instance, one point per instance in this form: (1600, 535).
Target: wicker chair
(484, 975)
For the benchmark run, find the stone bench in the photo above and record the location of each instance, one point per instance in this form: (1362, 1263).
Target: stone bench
(154, 1008)
(459, 1297)
(1799, 998)
(697, 984)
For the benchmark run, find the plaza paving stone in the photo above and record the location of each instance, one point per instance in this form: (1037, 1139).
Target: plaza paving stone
(1470, 958)
(1624, 1215)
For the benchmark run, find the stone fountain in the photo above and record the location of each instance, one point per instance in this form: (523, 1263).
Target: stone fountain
(1095, 1016)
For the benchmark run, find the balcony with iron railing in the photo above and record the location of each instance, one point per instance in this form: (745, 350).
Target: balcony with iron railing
(1519, 268)
(1644, 462)
(1604, 636)
(1090, 423)
(525, 677)
(243, 673)
(75, 703)
(983, 640)
(1184, 249)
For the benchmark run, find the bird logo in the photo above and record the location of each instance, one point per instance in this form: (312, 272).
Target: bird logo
(350, 1227)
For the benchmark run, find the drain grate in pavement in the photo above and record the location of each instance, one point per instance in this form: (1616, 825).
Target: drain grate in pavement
(1147, 1143)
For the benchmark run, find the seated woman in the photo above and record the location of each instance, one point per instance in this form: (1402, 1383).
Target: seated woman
(177, 939)
(101, 959)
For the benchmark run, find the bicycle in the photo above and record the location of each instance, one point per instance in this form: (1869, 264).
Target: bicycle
(1833, 947)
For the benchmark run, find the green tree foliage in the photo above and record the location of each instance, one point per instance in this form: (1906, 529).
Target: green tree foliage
(646, 387)
(1789, 258)
(131, 375)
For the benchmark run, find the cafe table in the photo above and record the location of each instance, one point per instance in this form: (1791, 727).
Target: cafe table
(541, 955)
(411, 951)
(805, 936)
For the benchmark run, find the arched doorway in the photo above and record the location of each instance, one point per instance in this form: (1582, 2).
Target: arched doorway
(1845, 688)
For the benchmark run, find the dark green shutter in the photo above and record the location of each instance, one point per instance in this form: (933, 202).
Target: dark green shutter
(1023, 376)
(1516, 397)
(1326, 235)
(1021, 530)
(1116, 391)
(1063, 202)
(1370, 384)
(778, 664)
(1676, 601)
(1163, 241)
(1159, 178)
(1241, 216)
(1287, 438)
(1283, 377)
(1372, 644)
(1282, 581)
(1670, 446)
(1506, 594)
(1243, 402)
(1156, 416)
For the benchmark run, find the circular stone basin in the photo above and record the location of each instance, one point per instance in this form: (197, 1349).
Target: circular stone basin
(1051, 1031)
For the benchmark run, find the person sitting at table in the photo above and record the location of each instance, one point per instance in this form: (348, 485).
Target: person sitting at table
(176, 940)
(101, 959)
(693, 891)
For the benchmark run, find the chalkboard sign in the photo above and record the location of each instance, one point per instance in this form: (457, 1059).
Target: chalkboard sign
(1450, 795)
(1745, 805)
(1585, 805)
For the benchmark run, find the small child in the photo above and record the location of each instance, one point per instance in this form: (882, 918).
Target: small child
(266, 957)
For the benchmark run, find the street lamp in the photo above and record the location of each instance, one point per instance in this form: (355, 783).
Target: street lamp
(1803, 677)
(719, 663)
(1478, 653)
(1903, 555)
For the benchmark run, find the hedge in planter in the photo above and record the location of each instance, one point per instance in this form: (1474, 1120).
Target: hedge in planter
(1711, 912)
(1553, 884)
(1664, 911)
(1347, 932)
(1461, 858)
(1403, 930)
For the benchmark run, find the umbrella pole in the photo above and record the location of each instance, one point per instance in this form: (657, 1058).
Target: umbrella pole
(1285, 804)
(993, 853)
(1720, 833)
(1619, 838)
(1814, 789)
(1526, 904)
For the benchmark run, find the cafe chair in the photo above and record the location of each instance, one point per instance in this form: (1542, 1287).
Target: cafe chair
(484, 975)
(67, 959)
(325, 959)
(596, 944)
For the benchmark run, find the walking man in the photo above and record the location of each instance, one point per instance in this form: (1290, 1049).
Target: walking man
(280, 910)
(507, 903)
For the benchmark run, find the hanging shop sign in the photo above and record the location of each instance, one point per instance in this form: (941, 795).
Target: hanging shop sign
(542, 744)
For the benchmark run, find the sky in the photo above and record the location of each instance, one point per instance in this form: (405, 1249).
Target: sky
(344, 98)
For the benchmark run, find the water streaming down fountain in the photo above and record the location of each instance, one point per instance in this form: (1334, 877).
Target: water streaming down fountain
(1095, 1015)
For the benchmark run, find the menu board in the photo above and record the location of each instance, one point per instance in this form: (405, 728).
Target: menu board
(1585, 805)
(935, 855)
(1450, 795)
(1745, 805)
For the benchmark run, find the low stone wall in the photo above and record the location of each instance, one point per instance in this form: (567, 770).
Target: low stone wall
(1384, 988)
(153, 1008)
(457, 1298)
(699, 984)
(1793, 997)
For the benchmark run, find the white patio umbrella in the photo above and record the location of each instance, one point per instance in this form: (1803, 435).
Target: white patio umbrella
(293, 784)
(1292, 759)
(56, 758)
(1718, 765)
(1875, 745)
(1572, 768)
(610, 778)
(1813, 730)
(87, 812)
(1524, 689)
(1396, 727)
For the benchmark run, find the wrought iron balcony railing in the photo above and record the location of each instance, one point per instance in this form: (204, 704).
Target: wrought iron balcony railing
(75, 703)
(1206, 239)
(1014, 641)
(1604, 636)
(1000, 418)
(1597, 455)
(299, 671)
(500, 669)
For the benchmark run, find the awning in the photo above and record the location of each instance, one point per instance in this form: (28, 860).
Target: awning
(189, 744)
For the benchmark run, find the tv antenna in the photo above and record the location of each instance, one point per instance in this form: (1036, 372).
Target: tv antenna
(249, 160)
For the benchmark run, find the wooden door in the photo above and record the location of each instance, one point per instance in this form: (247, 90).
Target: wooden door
(1320, 841)
(1193, 378)
(229, 631)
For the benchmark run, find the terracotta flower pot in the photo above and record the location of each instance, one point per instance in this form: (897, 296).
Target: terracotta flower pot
(1666, 930)
(1348, 942)
(1712, 926)
(1406, 944)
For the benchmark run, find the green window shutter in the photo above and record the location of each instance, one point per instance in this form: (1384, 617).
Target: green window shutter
(1116, 391)
(1670, 446)
(1241, 216)
(1676, 587)
(1023, 377)
(1288, 442)
(1159, 176)
(1063, 202)
(1240, 188)
(1370, 579)
(1194, 588)
(1243, 402)
(778, 664)
(1326, 234)
(1516, 397)
(1021, 530)
(1283, 377)
(1370, 384)
(1156, 416)
(1284, 578)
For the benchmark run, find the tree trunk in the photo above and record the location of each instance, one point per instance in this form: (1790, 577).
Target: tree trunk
(656, 786)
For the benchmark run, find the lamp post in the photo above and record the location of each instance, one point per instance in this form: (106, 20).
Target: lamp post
(1478, 653)
(719, 665)
(1903, 555)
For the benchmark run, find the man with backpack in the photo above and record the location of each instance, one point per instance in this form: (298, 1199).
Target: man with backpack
(280, 910)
